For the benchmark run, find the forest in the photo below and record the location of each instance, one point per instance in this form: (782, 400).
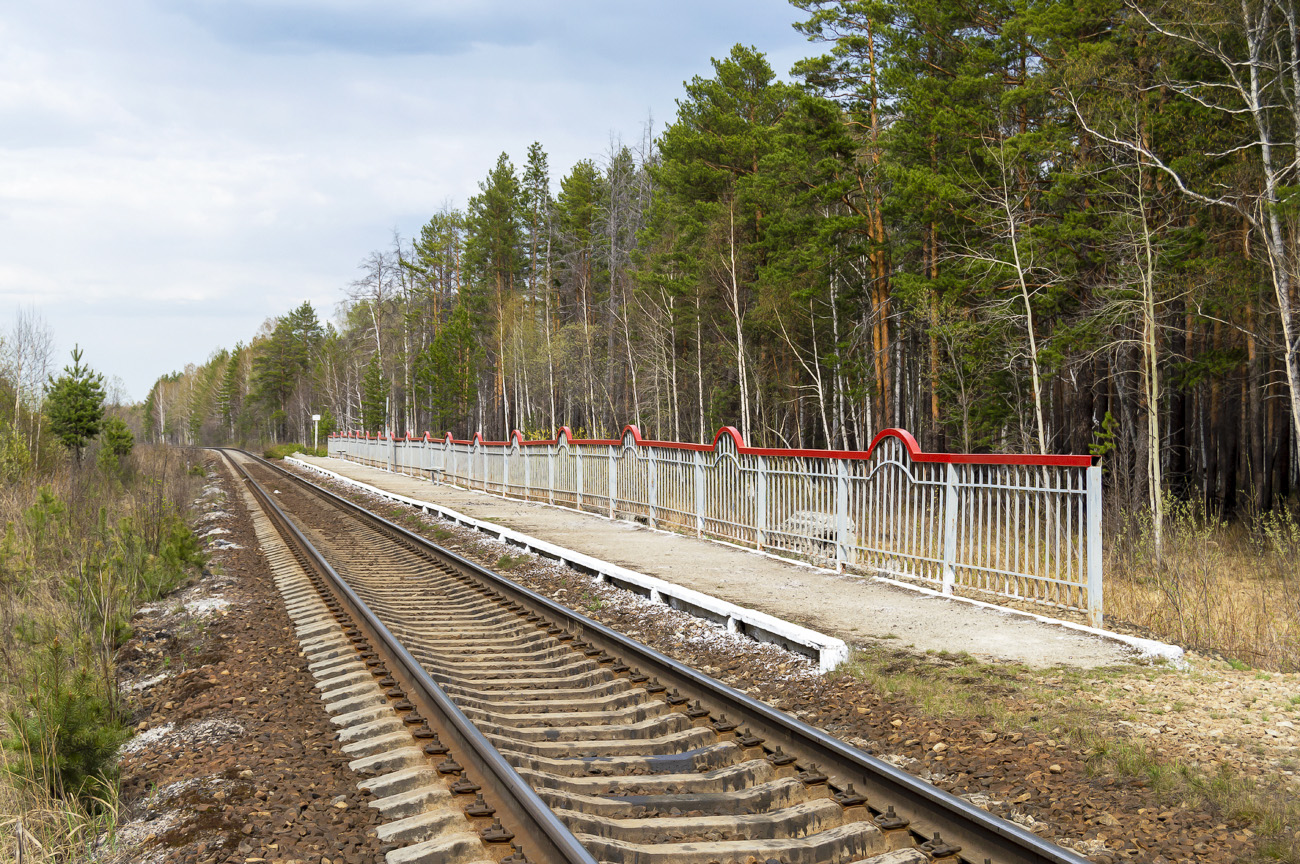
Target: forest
(1053, 226)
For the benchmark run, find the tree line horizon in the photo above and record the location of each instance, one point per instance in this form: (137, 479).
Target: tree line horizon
(1051, 227)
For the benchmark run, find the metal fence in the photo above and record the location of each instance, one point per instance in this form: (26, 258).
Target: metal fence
(1024, 527)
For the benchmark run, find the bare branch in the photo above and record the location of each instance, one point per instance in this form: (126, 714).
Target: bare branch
(1159, 163)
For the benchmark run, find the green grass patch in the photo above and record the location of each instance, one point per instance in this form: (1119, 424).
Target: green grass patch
(279, 451)
(510, 562)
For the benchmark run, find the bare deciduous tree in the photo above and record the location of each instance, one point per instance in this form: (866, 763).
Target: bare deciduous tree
(1254, 46)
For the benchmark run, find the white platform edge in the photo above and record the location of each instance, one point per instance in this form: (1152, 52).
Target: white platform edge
(1147, 648)
(829, 651)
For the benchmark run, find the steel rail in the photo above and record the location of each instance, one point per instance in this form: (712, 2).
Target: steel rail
(981, 834)
(551, 840)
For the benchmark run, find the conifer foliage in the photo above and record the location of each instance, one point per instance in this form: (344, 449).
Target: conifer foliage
(116, 443)
(993, 224)
(75, 405)
(373, 398)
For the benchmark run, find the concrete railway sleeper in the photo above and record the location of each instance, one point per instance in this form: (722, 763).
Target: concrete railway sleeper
(634, 757)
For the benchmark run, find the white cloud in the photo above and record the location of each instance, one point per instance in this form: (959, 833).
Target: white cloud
(173, 174)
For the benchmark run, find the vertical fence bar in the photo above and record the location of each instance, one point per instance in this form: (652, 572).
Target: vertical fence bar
(950, 529)
(841, 515)
(505, 470)
(1094, 546)
(652, 488)
(699, 494)
(613, 479)
(577, 457)
(760, 508)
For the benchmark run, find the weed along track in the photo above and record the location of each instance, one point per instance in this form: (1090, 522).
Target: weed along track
(559, 739)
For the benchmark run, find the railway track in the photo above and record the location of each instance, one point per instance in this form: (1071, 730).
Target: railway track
(564, 741)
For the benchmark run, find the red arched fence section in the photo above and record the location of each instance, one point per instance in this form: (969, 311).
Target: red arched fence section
(1026, 527)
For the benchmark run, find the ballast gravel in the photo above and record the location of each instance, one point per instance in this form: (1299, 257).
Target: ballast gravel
(234, 759)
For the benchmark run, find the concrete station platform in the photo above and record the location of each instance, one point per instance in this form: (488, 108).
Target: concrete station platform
(855, 609)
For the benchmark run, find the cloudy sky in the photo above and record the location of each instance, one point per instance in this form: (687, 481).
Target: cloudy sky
(173, 173)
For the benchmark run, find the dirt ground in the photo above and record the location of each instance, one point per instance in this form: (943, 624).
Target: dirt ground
(850, 607)
(1128, 762)
(234, 759)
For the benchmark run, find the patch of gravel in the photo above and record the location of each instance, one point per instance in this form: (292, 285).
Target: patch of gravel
(146, 739)
(206, 606)
(1215, 717)
(146, 683)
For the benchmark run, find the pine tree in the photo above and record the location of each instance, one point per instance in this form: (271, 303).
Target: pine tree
(712, 158)
(494, 253)
(447, 371)
(327, 425)
(374, 397)
(75, 405)
(538, 210)
(281, 364)
(230, 394)
(117, 442)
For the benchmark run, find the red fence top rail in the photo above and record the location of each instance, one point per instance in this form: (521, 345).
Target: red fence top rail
(914, 451)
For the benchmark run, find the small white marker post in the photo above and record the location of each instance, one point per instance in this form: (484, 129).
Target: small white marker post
(315, 432)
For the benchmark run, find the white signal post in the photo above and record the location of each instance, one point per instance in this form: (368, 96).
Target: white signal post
(315, 431)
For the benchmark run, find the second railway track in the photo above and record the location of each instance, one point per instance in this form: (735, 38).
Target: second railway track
(587, 745)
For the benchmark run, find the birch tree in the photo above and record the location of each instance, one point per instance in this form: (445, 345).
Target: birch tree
(1253, 48)
(1010, 260)
(28, 350)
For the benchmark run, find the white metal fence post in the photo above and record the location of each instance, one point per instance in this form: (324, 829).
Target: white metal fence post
(613, 479)
(577, 455)
(652, 487)
(1094, 545)
(699, 494)
(550, 474)
(841, 514)
(950, 529)
(760, 508)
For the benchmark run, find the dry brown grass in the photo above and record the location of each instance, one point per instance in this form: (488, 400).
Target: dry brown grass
(38, 827)
(1231, 589)
(70, 569)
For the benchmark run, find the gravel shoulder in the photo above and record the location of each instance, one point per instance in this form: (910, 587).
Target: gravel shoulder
(1127, 762)
(849, 607)
(234, 758)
